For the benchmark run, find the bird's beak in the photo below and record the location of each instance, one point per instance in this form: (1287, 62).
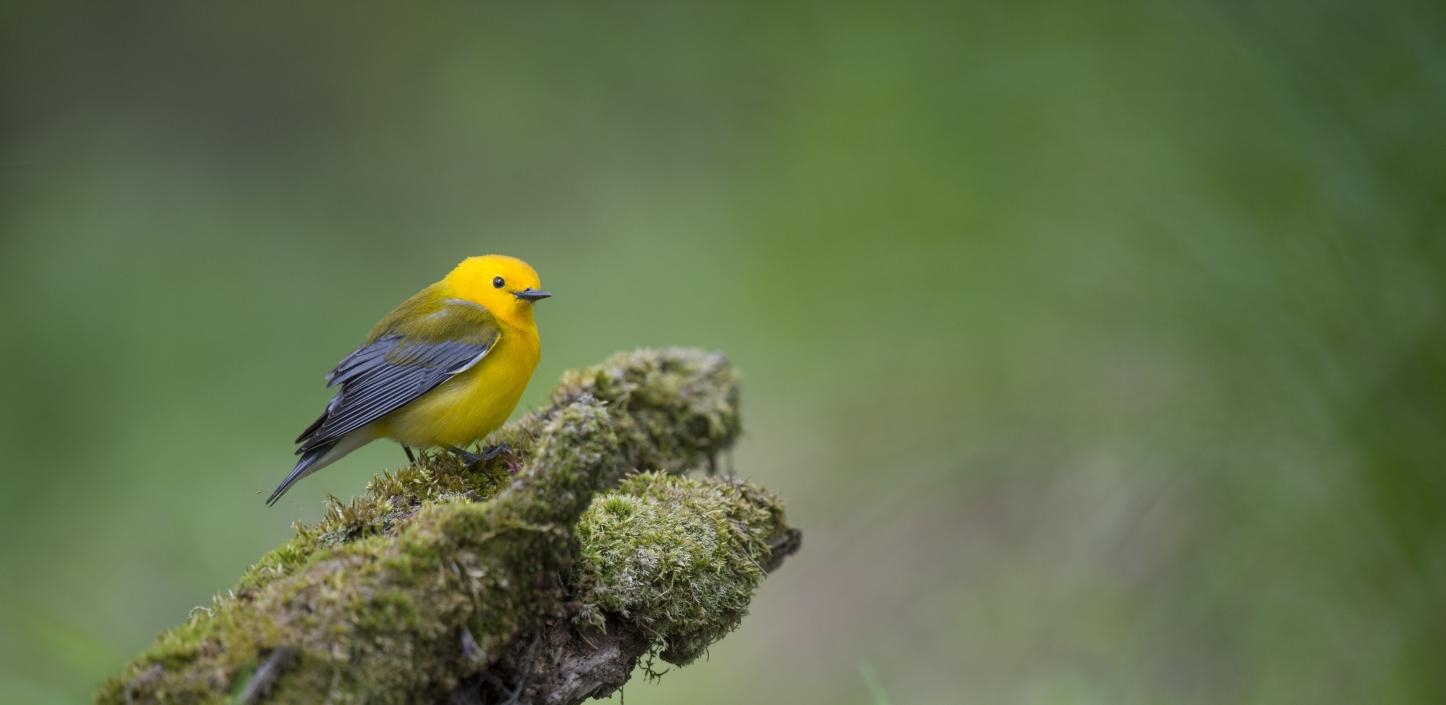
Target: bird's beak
(531, 294)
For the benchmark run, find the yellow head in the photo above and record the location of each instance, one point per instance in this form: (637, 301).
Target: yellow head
(507, 286)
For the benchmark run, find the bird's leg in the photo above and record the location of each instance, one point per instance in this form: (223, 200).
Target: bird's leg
(410, 457)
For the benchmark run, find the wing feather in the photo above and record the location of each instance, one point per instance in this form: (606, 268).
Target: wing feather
(424, 343)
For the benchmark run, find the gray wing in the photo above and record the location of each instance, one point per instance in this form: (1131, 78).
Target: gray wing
(382, 376)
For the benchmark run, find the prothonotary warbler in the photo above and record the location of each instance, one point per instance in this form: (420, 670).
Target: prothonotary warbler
(442, 370)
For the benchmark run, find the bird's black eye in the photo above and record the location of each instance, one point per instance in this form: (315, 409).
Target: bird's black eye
(498, 283)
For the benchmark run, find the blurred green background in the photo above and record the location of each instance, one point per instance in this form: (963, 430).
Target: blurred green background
(1099, 348)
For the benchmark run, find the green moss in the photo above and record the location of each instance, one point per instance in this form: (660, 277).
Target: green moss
(681, 405)
(280, 562)
(679, 557)
(387, 611)
(396, 595)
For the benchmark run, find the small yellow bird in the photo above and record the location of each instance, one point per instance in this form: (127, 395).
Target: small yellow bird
(442, 370)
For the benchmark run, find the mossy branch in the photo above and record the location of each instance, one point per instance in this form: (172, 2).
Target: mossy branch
(542, 577)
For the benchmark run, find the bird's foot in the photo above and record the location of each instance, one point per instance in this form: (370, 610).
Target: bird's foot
(473, 460)
(493, 451)
(514, 466)
(467, 457)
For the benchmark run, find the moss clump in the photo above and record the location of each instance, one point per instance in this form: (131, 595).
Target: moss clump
(678, 557)
(680, 406)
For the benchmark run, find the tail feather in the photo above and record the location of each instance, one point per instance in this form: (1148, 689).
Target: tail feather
(305, 466)
(320, 457)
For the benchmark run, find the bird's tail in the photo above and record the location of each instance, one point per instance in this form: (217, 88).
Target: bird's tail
(307, 464)
(320, 457)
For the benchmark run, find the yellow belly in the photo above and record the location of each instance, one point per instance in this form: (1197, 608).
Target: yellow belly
(469, 406)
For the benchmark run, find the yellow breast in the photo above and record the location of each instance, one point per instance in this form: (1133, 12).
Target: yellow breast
(473, 404)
